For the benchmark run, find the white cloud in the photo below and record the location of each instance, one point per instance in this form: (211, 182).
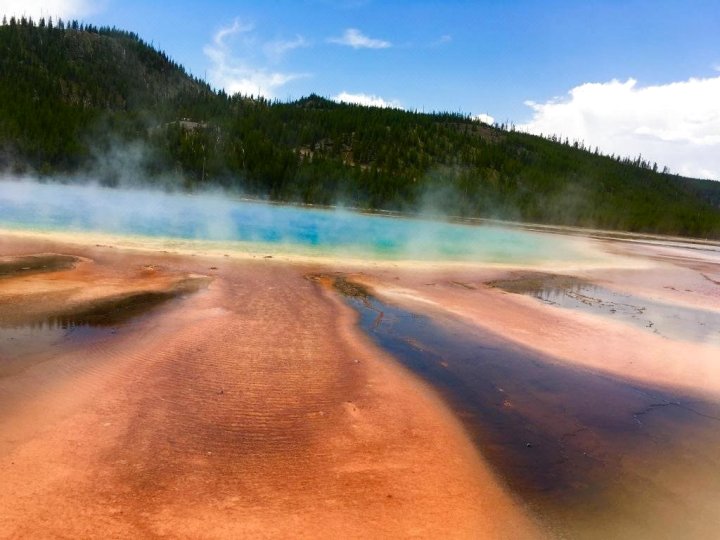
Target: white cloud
(275, 50)
(675, 124)
(66, 9)
(484, 118)
(367, 100)
(352, 37)
(236, 28)
(236, 75)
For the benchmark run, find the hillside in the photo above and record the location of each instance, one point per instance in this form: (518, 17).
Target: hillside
(84, 100)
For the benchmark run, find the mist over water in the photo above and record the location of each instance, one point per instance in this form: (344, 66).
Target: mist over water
(217, 217)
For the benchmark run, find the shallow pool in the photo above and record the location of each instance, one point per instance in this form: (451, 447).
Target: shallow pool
(52, 206)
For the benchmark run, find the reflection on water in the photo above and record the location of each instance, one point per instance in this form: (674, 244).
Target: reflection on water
(29, 264)
(21, 343)
(668, 320)
(311, 231)
(103, 312)
(585, 451)
(111, 311)
(22, 346)
(19, 340)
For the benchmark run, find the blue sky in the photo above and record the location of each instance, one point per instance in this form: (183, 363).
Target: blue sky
(492, 57)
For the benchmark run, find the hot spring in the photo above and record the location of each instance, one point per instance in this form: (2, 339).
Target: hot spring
(239, 224)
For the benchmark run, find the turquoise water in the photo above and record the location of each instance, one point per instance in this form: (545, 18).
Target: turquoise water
(49, 206)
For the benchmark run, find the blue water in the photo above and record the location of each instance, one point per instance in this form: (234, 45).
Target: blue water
(50, 206)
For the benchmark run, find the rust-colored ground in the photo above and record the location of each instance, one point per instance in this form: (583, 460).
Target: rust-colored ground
(251, 408)
(247, 404)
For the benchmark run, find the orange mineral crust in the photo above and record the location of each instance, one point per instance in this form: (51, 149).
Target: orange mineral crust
(149, 394)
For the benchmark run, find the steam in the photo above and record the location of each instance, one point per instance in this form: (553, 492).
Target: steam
(114, 194)
(27, 203)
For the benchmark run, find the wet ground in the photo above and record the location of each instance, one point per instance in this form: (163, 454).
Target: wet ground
(18, 342)
(592, 455)
(251, 409)
(32, 264)
(669, 320)
(29, 337)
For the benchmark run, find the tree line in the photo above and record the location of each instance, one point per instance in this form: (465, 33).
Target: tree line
(72, 94)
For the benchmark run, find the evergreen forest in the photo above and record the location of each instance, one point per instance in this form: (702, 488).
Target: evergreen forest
(78, 102)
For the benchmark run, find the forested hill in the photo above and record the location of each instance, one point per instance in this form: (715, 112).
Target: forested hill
(78, 100)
